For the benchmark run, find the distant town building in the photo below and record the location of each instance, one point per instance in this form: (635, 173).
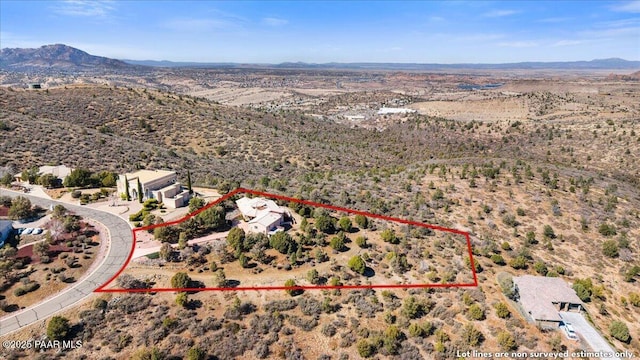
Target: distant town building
(34, 86)
(387, 110)
(6, 229)
(162, 185)
(263, 215)
(543, 297)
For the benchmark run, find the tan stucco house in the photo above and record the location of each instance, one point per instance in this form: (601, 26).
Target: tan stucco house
(162, 185)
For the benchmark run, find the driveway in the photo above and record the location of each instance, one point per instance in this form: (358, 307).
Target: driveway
(590, 335)
(119, 248)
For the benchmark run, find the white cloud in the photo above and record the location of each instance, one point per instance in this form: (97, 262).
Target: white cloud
(568, 43)
(555, 20)
(272, 21)
(630, 7)
(478, 37)
(500, 13)
(84, 8)
(614, 28)
(518, 44)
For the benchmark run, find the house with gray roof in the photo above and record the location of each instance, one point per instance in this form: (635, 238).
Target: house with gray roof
(543, 297)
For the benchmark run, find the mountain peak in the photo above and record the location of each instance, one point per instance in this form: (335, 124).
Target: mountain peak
(56, 56)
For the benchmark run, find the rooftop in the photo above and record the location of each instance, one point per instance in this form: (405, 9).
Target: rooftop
(251, 207)
(60, 171)
(146, 176)
(266, 218)
(538, 295)
(386, 110)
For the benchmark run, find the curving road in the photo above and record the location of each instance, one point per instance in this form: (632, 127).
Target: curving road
(120, 244)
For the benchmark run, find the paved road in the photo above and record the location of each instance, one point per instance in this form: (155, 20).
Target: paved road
(119, 248)
(595, 341)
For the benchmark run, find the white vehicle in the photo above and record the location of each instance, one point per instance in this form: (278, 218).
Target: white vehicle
(37, 231)
(568, 329)
(27, 231)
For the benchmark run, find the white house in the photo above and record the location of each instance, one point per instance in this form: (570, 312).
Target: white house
(156, 184)
(59, 171)
(6, 228)
(387, 110)
(263, 215)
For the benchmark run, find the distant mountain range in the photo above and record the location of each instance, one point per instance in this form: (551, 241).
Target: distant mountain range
(598, 64)
(58, 56)
(66, 58)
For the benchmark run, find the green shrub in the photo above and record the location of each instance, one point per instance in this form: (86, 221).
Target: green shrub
(506, 341)
(548, 232)
(519, 262)
(476, 312)
(471, 336)
(357, 264)
(416, 330)
(610, 248)
(292, 292)
(181, 299)
(366, 349)
(196, 353)
(362, 221)
(620, 331)
(498, 259)
(337, 242)
(180, 280)
(388, 235)
(502, 310)
(58, 328)
(541, 268)
(19, 291)
(505, 280)
(361, 241)
(412, 308)
(345, 224)
(607, 230)
(584, 289)
(283, 242)
(325, 223)
(139, 216)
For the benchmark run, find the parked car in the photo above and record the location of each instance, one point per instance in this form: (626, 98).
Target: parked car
(568, 329)
(27, 231)
(20, 230)
(37, 231)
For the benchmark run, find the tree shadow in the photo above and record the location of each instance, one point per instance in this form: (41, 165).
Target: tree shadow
(193, 304)
(369, 272)
(232, 283)
(11, 308)
(195, 284)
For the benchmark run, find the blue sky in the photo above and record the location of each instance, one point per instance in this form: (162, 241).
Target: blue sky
(340, 31)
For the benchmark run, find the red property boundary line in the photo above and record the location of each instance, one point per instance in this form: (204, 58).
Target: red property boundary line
(102, 288)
